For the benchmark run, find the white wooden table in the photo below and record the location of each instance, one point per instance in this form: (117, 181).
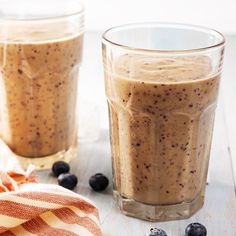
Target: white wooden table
(219, 211)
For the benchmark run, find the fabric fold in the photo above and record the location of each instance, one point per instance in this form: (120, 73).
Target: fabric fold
(28, 208)
(42, 208)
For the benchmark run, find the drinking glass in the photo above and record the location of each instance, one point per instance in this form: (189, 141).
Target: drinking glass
(162, 84)
(40, 57)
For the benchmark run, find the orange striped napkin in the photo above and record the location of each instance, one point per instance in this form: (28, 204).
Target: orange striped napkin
(33, 209)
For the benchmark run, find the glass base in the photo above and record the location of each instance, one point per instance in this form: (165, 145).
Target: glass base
(147, 212)
(46, 162)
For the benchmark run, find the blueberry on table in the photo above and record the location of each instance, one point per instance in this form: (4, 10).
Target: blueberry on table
(60, 167)
(195, 229)
(157, 232)
(98, 182)
(67, 180)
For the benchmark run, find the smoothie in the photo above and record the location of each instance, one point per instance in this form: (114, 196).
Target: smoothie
(161, 120)
(38, 86)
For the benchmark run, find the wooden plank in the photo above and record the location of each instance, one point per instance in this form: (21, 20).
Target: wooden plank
(219, 211)
(229, 91)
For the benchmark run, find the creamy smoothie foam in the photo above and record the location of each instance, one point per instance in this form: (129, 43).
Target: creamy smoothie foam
(38, 83)
(161, 120)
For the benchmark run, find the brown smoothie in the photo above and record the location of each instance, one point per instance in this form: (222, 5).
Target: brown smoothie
(38, 86)
(161, 120)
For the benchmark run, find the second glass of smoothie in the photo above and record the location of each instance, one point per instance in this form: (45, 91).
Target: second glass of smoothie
(162, 83)
(40, 57)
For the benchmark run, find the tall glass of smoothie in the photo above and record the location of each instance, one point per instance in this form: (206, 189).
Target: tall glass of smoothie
(162, 83)
(40, 56)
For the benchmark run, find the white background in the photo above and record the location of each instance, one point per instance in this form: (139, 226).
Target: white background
(217, 14)
(103, 14)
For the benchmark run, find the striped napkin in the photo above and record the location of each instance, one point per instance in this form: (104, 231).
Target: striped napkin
(32, 209)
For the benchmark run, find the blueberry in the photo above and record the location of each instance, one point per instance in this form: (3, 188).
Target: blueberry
(60, 167)
(157, 232)
(98, 182)
(195, 229)
(67, 180)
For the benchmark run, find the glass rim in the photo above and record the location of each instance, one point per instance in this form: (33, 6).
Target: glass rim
(165, 25)
(77, 12)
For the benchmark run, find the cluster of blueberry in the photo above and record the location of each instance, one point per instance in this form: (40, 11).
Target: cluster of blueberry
(193, 229)
(60, 169)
